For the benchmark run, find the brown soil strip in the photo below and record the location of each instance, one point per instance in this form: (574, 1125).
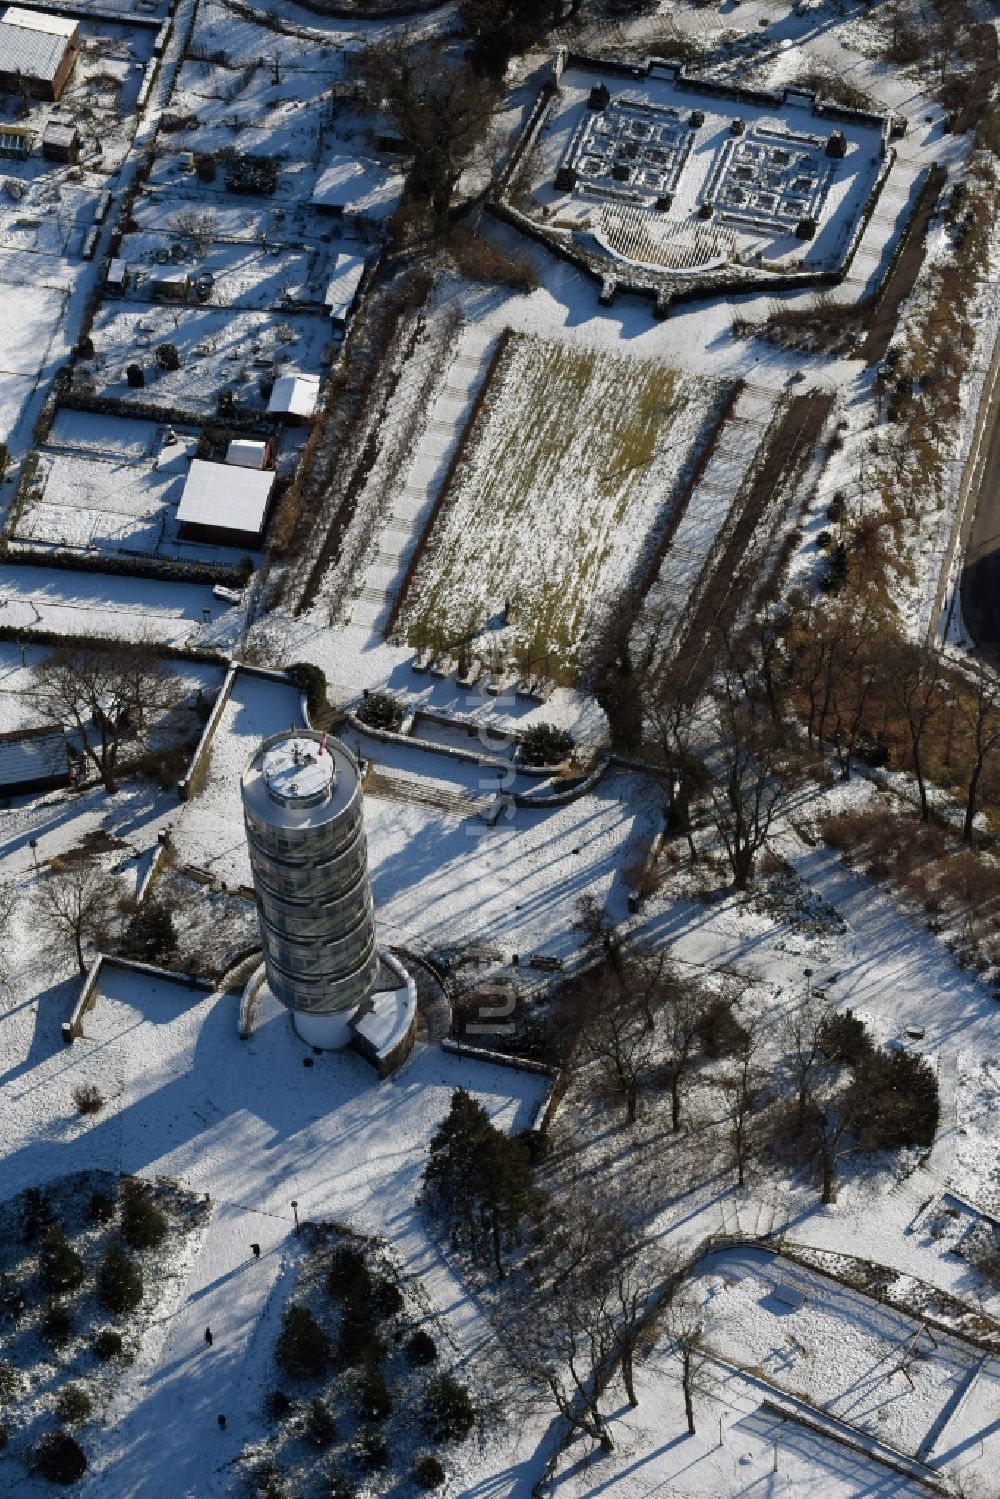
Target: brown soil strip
(791, 442)
(903, 275)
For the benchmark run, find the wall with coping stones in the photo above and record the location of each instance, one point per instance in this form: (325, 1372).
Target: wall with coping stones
(662, 286)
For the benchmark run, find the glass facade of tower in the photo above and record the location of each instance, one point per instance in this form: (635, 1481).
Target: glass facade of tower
(302, 807)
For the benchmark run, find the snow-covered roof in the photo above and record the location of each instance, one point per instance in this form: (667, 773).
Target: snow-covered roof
(36, 20)
(294, 395)
(385, 1019)
(226, 497)
(365, 188)
(56, 134)
(117, 271)
(244, 452)
(28, 755)
(343, 288)
(32, 46)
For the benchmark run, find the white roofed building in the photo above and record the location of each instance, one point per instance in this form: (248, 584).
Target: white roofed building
(364, 192)
(37, 52)
(248, 452)
(33, 760)
(294, 395)
(225, 504)
(342, 292)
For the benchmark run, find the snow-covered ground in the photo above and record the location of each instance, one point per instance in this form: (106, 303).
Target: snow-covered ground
(244, 1122)
(439, 878)
(217, 347)
(119, 607)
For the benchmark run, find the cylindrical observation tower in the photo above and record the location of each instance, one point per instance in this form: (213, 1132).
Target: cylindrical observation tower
(303, 811)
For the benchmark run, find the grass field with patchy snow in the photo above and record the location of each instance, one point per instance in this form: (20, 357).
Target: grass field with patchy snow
(573, 467)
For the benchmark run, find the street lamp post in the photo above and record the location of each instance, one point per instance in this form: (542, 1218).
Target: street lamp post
(295, 1210)
(808, 973)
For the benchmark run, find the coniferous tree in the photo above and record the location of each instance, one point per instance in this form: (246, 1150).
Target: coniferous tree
(482, 1178)
(143, 1224)
(150, 935)
(60, 1266)
(119, 1280)
(303, 1347)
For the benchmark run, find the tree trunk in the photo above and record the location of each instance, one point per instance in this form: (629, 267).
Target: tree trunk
(688, 1402)
(631, 1103)
(78, 938)
(918, 770)
(826, 1165)
(971, 802)
(497, 1256)
(675, 1102)
(628, 1377)
(742, 869)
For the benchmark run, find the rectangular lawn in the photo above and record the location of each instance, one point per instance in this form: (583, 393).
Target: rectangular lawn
(571, 471)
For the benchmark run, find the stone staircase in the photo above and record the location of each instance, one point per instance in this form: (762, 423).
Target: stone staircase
(391, 786)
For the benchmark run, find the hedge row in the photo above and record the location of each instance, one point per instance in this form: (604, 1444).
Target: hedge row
(24, 635)
(163, 569)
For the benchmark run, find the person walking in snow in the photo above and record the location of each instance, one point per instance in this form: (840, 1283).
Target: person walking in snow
(222, 1422)
(208, 1336)
(255, 1251)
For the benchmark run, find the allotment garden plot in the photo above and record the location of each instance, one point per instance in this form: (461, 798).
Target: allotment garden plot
(243, 351)
(110, 484)
(573, 468)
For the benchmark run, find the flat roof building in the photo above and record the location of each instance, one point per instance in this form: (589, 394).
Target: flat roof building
(366, 192)
(248, 452)
(37, 52)
(33, 760)
(224, 504)
(294, 395)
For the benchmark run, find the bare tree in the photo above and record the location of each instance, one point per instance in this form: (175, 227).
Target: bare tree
(804, 1057)
(980, 713)
(917, 678)
(106, 694)
(8, 905)
(743, 1090)
(198, 227)
(684, 1013)
(830, 1123)
(601, 937)
(439, 106)
(670, 746)
(687, 1335)
(75, 902)
(753, 782)
(614, 1019)
(553, 1347)
(593, 1285)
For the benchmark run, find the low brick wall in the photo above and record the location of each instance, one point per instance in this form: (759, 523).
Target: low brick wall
(191, 784)
(72, 1028)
